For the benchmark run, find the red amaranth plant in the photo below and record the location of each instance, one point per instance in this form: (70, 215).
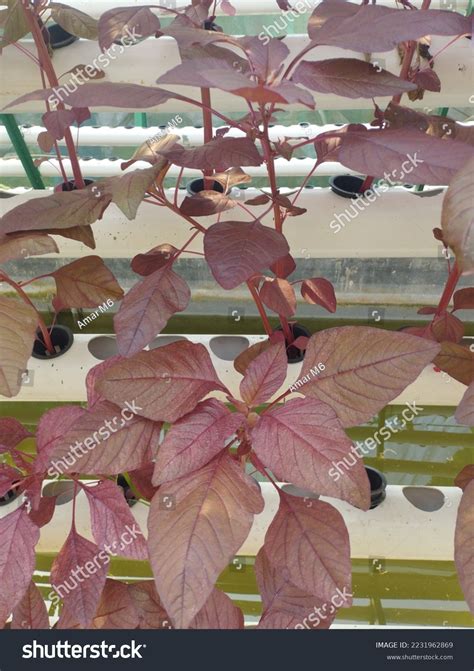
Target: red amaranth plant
(198, 479)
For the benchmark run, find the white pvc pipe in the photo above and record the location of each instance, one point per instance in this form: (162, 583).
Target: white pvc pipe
(19, 76)
(395, 530)
(93, 167)
(396, 225)
(63, 378)
(243, 7)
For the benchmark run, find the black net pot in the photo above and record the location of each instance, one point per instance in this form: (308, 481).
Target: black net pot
(197, 185)
(59, 38)
(294, 354)
(378, 485)
(62, 338)
(346, 186)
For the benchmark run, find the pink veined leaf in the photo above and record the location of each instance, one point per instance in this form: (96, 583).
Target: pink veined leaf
(405, 154)
(457, 361)
(151, 613)
(464, 544)
(74, 21)
(374, 28)
(17, 559)
(156, 258)
(112, 522)
(129, 190)
(52, 426)
(228, 8)
(166, 382)
(219, 612)
(105, 94)
(235, 250)
(58, 121)
(146, 308)
(148, 151)
(43, 514)
(427, 79)
(141, 479)
(456, 217)
(31, 612)
(284, 605)
(301, 342)
(94, 375)
(63, 210)
(206, 203)
(23, 246)
(267, 58)
(310, 544)
(193, 540)
(116, 609)
(447, 327)
(220, 153)
(464, 477)
(8, 476)
(265, 375)
(85, 283)
(465, 410)
(106, 440)
(127, 24)
(12, 432)
(279, 296)
(301, 441)
(195, 439)
(349, 77)
(380, 366)
(18, 323)
(427, 310)
(319, 291)
(80, 597)
(463, 299)
(285, 266)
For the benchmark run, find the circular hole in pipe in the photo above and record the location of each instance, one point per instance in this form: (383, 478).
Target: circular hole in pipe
(428, 499)
(59, 38)
(378, 485)
(61, 337)
(228, 347)
(64, 491)
(346, 186)
(197, 185)
(103, 347)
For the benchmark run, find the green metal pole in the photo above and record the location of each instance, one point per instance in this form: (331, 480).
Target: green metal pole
(21, 149)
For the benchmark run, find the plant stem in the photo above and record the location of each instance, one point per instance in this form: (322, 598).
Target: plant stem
(26, 299)
(449, 288)
(260, 308)
(47, 65)
(207, 126)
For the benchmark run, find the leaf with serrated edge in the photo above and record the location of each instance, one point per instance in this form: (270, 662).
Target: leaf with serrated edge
(194, 540)
(17, 558)
(146, 308)
(464, 544)
(365, 368)
(265, 375)
(301, 441)
(310, 544)
(195, 439)
(166, 382)
(18, 323)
